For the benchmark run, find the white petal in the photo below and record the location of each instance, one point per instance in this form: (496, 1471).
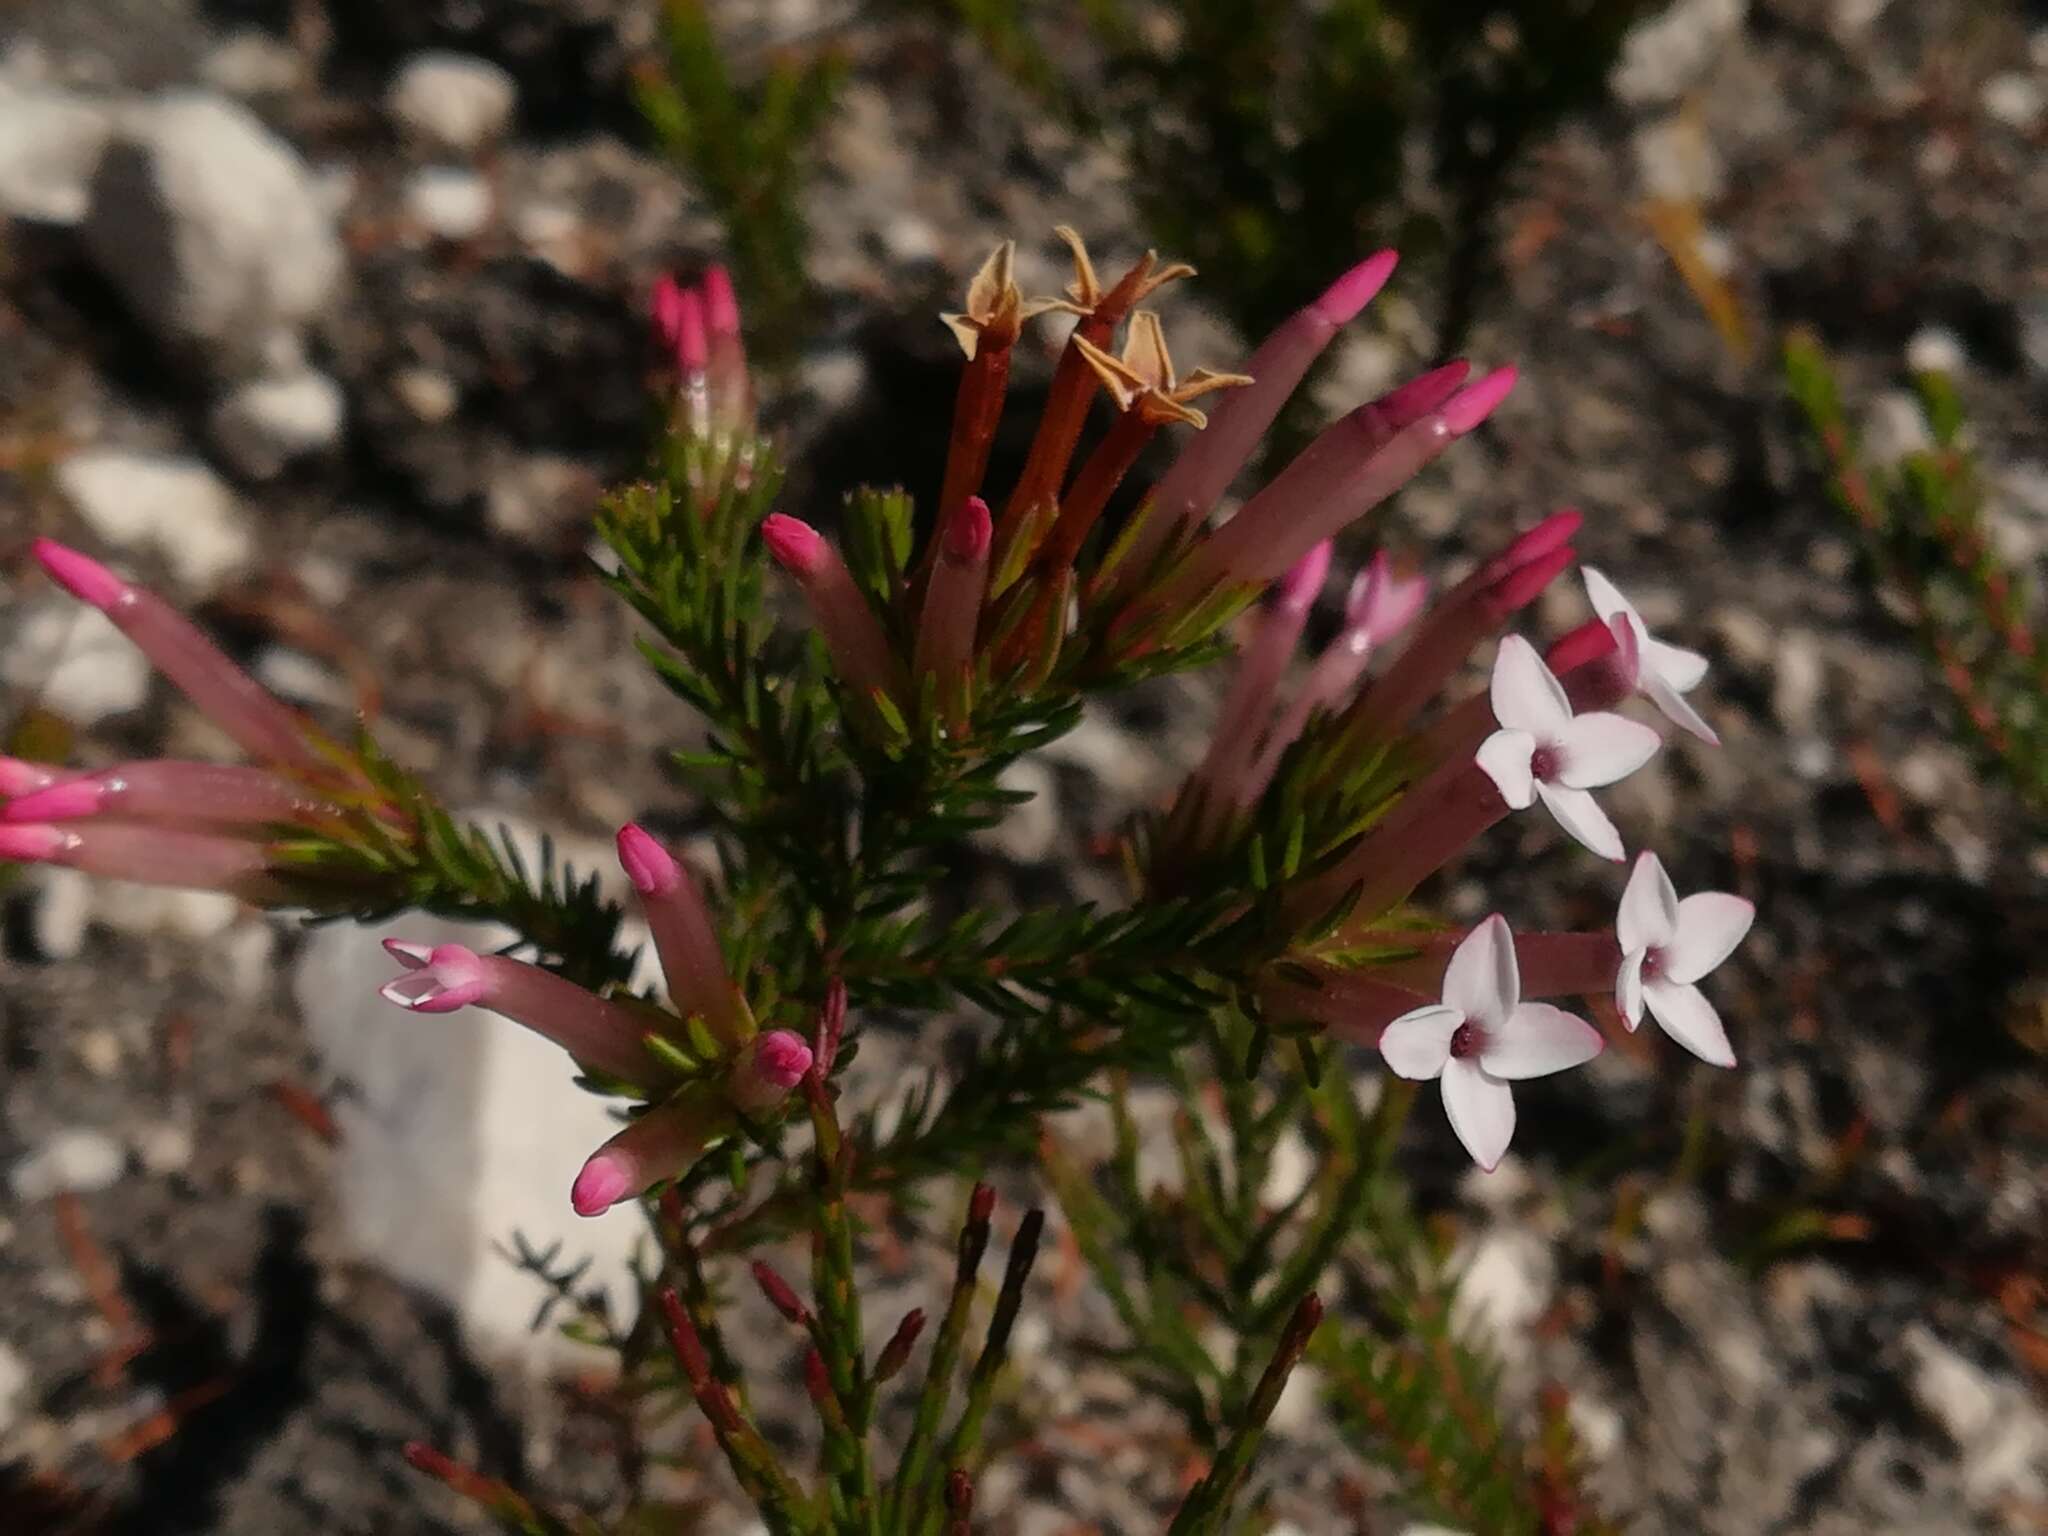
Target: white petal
(1649, 906)
(1605, 597)
(1579, 814)
(1525, 695)
(1506, 756)
(1628, 988)
(1710, 925)
(1681, 668)
(1659, 692)
(1538, 1040)
(1482, 1111)
(1417, 1044)
(1689, 1019)
(1482, 981)
(1600, 748)
(408, 990)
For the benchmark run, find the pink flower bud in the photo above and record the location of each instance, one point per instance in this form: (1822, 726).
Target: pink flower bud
(721, 306)
(80, 575)
(438, 980)
(796, 545)
(24, 778)
(969, 530)
(667, 306)
(59, 802)
(769, 1066)
(1355, 289)
(692, 349)
(1478, 400)
(684, 937)
(606, 1179)
(1298, 590)
(646, 863)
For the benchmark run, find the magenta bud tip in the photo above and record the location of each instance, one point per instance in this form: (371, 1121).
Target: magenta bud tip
(1589, 642)
(651, 868)
(969, 530)
(603, 1183)
(59, 802)
(1355, 289)
(22, 778)
(1522, 585)
(781, 1058)
(795, 545)
(667, 304)
(1478, 400)
(721, 307)
(80, 575)
(693, 350)
(31, 844)
(1303, 583)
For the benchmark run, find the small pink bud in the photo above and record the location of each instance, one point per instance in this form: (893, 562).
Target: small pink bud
(1422, 394)
(1382, 604)
(1355, 289)
(59, 802)
(721, 308)
(781, 1058)
(969, 530)
(1553, 532)
(647, 864)
(1477, 401)
(79, 574)
(693, 349)
(1303, 583)
(606, 1179)
(1525, 584)
(1589, 642)
(667, 308)
(796, 545)
(23, 778)
(31, 845)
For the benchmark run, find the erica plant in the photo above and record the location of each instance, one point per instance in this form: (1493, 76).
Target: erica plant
(1280, 897)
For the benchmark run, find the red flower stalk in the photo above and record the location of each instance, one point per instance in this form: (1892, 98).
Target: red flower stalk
(172, 792)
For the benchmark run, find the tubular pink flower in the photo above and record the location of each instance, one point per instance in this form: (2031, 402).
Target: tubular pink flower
(692, 345)
(1551, 964)
(666, 306)
(1345, 473)
(601, 1035)
(768, 1066)
(1380, 605)
(1593, 669)
(1667, 946)
(148, 856)
(1431, 824)
(684, 936)
(1477, 607)
(1545, 751)
(952, 607)
(1211, 459)
(661, 1144)
(1351, 1006)
(852, 633)
(1212, 787)
(264, 727)
(1482, 1037)
(18, 777)
(166, 791)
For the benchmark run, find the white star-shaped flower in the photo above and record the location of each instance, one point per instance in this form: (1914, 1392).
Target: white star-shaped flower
(1483, 1037)
(1667, 945)
(1542, 750)
(1663, 672)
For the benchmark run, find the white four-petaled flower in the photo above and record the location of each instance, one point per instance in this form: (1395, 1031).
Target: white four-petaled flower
(1481, 1037)
(1543, 750)
(1667, 945)
(1663, 672)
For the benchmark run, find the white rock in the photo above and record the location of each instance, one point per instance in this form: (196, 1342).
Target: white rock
(75, 1160)
(250, 62)
(452, 101)
(178, 508)
(1028, 829)
(1666, 55)
(50, 143)
(460, 1131)
(212, 228)
(2002, 1435)
(72, 660)
(2015, 100)
(449, 204)
(1936, 349)
(151, 909)
(1677, 162)
(63, 906)
(265, 424)
(165, 1146)
(1506, 1277)
(15, 1382)
(834, 377)
(427, 392)
(1796, 690)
